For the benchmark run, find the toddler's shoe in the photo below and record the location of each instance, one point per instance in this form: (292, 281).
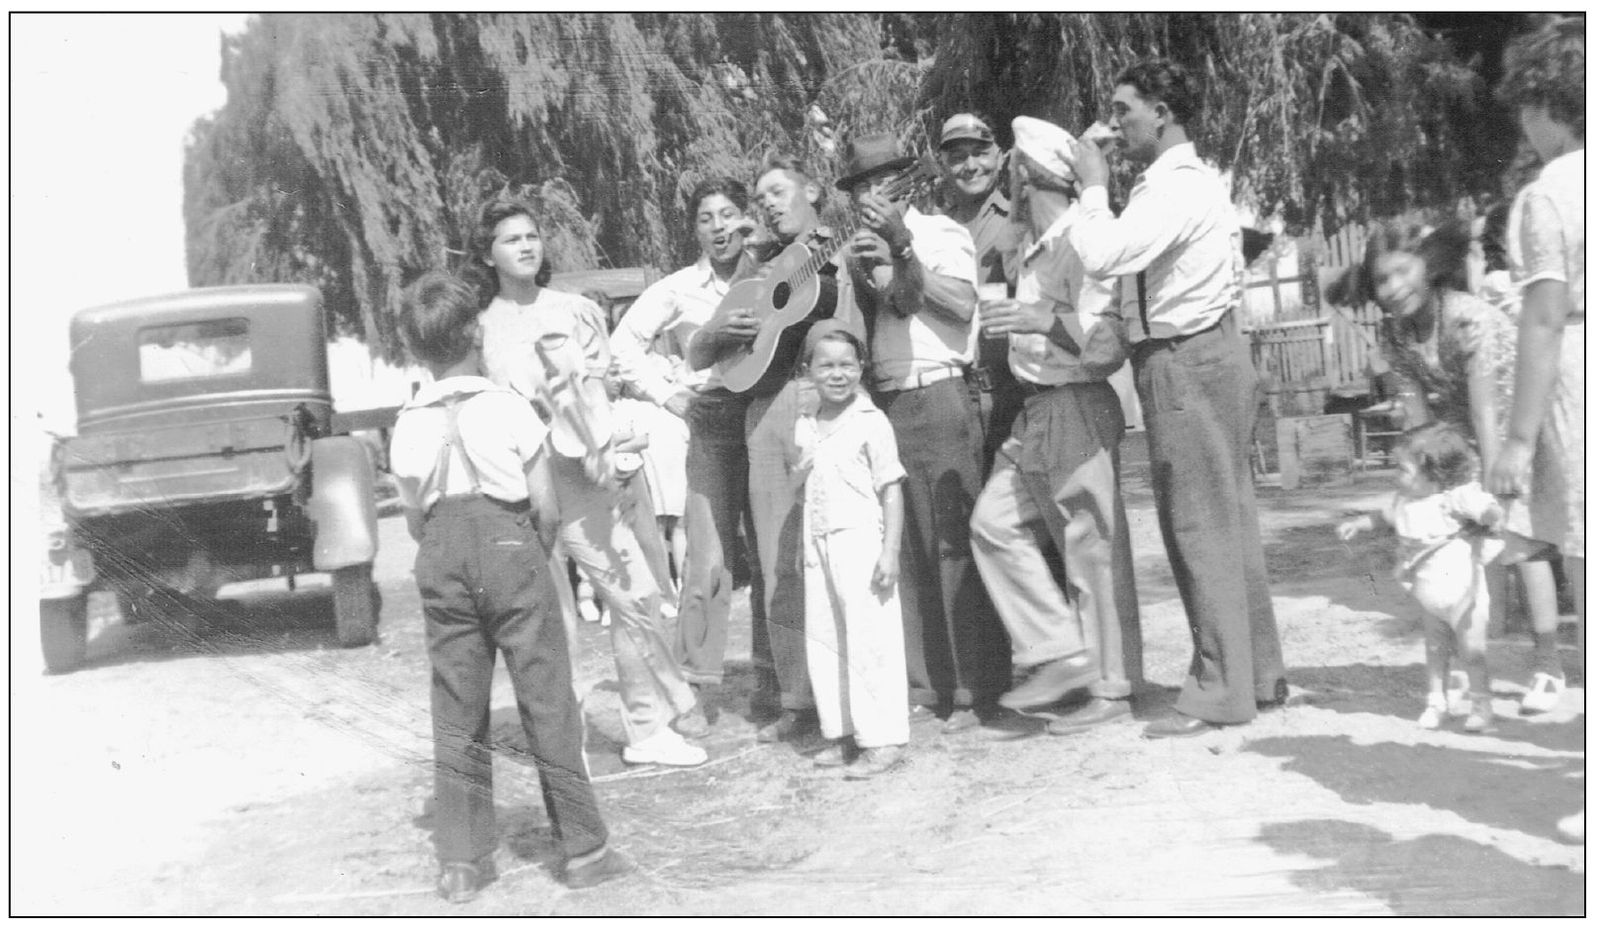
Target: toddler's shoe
(1543, 694)
(1481, 716)
(1437, 710)
(1571, 827)
(665, 747)
(1458, 688)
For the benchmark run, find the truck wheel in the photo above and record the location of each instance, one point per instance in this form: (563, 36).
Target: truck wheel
(64, 632)
(356, 605)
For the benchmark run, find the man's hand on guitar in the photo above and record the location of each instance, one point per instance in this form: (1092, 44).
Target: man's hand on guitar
(869, 250)
(738, 325)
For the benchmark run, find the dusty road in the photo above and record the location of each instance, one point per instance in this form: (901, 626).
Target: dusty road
(255, 768)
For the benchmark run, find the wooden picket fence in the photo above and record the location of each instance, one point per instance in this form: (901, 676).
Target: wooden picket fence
(1304, 348)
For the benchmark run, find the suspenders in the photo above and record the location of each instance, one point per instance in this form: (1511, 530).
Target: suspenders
(454, 441)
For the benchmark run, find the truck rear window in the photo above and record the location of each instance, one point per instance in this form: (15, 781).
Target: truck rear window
(195, 350)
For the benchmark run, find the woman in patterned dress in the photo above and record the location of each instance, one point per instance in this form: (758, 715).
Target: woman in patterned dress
(1543, 449)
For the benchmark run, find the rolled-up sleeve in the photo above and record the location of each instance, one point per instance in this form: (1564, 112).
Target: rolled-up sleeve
(653, 313)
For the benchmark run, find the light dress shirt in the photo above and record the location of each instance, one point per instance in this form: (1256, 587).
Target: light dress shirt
(679, 305)
(1179, 227)
(903, 347)
(500, 436)
(572, 328)
(1050, 271)
(845, 469)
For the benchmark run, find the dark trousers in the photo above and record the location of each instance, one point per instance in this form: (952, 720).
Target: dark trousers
(1199, 398)
(482, 578)
(716, 508)
(956, 648)
(1002, 399)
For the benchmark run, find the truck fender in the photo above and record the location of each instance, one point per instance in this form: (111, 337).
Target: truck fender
(342, 508)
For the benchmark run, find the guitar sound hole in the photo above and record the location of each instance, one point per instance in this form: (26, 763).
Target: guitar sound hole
(782, 294)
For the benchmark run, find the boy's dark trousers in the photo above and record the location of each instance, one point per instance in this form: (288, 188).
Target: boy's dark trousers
(482, 577)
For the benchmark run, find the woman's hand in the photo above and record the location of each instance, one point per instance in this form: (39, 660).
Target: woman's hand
(1511, 471)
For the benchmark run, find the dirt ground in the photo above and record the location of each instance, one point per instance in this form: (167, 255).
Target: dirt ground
(252, 767)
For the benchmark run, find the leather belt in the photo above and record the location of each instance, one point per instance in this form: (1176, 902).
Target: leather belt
(920, 379)
(1032, 388)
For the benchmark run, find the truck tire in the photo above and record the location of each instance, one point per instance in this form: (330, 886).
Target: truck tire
(356, 605)
(64, 632)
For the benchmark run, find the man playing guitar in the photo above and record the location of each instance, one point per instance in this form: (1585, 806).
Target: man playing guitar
(914, 274)
(790, 201)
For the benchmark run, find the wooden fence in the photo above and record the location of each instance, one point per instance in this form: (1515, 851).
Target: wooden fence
(1305, 348)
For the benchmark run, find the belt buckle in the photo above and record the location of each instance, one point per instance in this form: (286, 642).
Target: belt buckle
(982, 378)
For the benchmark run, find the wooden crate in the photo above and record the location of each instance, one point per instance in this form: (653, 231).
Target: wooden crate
(1315, 451)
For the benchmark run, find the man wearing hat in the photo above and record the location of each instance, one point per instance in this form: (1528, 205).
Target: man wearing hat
(976, 195)
(1197, 385)
(1057, 476)
(913, 276)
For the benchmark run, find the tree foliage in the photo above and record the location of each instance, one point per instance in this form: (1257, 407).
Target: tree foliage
(353, 148)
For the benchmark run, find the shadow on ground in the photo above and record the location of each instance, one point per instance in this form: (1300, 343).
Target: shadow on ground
(1425, 876)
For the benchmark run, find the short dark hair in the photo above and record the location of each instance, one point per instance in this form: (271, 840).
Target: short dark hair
(1544, 68)
(1445, 455)
(1442, 249)
(1160, 80)
(708, 187)
(437, 316)
(491, 214)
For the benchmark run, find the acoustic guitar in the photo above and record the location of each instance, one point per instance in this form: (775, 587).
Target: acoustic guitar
(791, 296)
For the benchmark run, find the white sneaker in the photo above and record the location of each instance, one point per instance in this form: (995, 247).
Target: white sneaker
(1543, 694)
(1481, 716)
(1434, 714)
(665, 747)
(1571, 827)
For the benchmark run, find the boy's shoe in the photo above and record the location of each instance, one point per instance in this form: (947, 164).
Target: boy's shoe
(598, 867)
(1571, 827)
(665, 747)
(874, 761)
(1543, 694)
(834, 755)
(1481, 716)
(1434, 714)
(461, 881)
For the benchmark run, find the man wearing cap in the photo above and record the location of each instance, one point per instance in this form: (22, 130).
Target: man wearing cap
(1057, 476)
(1198, 389)
(913, 275)
(754, 465)
(977, 196)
